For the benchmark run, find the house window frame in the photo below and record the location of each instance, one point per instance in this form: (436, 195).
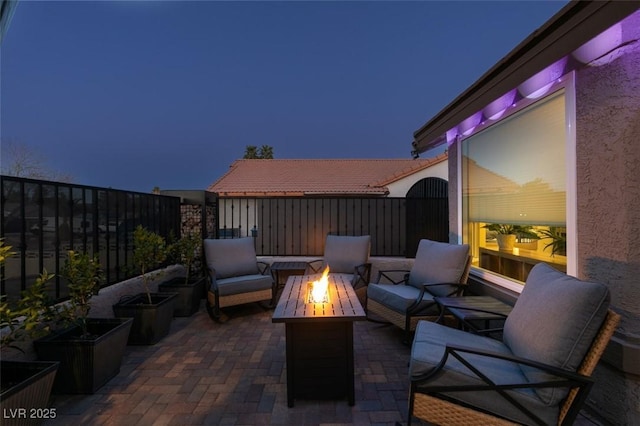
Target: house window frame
(566, 83)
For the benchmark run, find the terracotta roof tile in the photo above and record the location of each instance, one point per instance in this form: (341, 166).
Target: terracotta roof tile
(298, 177)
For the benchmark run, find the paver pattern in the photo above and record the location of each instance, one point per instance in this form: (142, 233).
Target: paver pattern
(207, 373)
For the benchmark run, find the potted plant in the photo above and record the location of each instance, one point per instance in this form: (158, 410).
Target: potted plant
(190, 289)
(24, 385)
(506, 234)
(90, 350)
(151, 312)
(558, 243)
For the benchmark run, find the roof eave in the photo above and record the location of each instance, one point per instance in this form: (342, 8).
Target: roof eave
(567, 30)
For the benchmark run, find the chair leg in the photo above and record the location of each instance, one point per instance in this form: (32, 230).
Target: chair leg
(213, 309)
(407, 339)
(408, 334)
(410, 413)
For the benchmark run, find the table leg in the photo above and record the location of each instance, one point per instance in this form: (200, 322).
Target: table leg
(290, 364)
(351, 392)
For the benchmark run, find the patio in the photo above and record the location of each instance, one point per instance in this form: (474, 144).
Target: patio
(206, 373)
(233, 374)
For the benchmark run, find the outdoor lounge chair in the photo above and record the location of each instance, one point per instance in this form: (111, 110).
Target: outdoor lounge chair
(539, 372)
(237, 277)
(403, 297)
(347, 255)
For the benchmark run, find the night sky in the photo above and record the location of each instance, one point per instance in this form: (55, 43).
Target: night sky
(134, 95)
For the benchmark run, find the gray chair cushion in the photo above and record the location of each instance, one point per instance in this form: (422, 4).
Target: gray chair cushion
(344, 253)
(427, 351)
(555, 321)
(399, 297)
(438, 263)
(242, 284)
(231, 257)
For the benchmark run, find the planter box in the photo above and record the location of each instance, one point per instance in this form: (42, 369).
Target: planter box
(151, 322)
(189, 295)
(86, 364)
(26, 389)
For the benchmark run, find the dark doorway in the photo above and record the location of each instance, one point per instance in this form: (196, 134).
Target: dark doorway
(427, 212)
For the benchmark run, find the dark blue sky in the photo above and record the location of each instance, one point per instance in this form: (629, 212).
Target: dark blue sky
(133, 95)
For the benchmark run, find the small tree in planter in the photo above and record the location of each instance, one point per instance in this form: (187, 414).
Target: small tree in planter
(24, 385)
(90, 350)
(84, 276)
(190, 289)
(31, 316)
(149, 251)
(151, 312)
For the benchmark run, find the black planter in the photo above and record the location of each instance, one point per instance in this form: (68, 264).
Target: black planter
(86, 364)
(151, 322)
(26, 389)
(189, 295)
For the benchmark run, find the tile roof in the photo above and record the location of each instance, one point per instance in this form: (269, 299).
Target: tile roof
(299, 177)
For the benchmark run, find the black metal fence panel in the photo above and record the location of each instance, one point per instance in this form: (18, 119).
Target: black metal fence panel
(286, 226)
(42, 220)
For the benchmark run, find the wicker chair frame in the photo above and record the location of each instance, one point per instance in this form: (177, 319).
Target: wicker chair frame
(215, 302)
(429, 403)
(408, 320)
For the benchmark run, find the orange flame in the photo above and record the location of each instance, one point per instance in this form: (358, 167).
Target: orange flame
(319, 289)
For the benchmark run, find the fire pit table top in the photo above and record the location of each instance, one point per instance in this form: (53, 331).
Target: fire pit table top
(343, 302)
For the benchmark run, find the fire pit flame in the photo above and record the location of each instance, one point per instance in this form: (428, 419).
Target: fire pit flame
(319, 290)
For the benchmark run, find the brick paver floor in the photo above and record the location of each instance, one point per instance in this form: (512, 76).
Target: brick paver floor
(206, 373)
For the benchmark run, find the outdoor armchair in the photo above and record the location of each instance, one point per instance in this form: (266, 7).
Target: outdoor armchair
(348, 255)
(404, 297)
(537, 374)
(237, 277)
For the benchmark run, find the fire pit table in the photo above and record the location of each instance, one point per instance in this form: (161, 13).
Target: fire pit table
(319, 338)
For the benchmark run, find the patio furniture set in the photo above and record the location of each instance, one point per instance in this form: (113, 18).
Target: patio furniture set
(524, 364)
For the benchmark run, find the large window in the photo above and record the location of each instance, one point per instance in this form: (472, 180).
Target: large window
(514, 191)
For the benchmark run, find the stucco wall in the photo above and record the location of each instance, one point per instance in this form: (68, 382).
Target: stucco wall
(608, 214)
(454, 236)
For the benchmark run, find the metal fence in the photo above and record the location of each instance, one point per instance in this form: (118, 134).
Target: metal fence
(42, 220)
(288, 226)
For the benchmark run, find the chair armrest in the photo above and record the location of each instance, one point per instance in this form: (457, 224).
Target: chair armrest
(263, 267)
(412, 309)
(313, 266)
(562, 378)
(362, 275)
(212, 279)
(459, 288)
(456, 351)
(386, 274)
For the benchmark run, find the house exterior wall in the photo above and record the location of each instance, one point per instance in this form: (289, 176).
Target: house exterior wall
(608, 215)
(454, 204)
(400, 187)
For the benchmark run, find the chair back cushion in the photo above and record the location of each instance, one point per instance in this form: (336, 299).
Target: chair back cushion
(231, 257)
(343, 253)
(438, 262)
(555, 321)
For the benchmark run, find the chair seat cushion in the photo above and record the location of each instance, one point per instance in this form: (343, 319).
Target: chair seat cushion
(399, 297)
(427, 352)
(243, 284)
